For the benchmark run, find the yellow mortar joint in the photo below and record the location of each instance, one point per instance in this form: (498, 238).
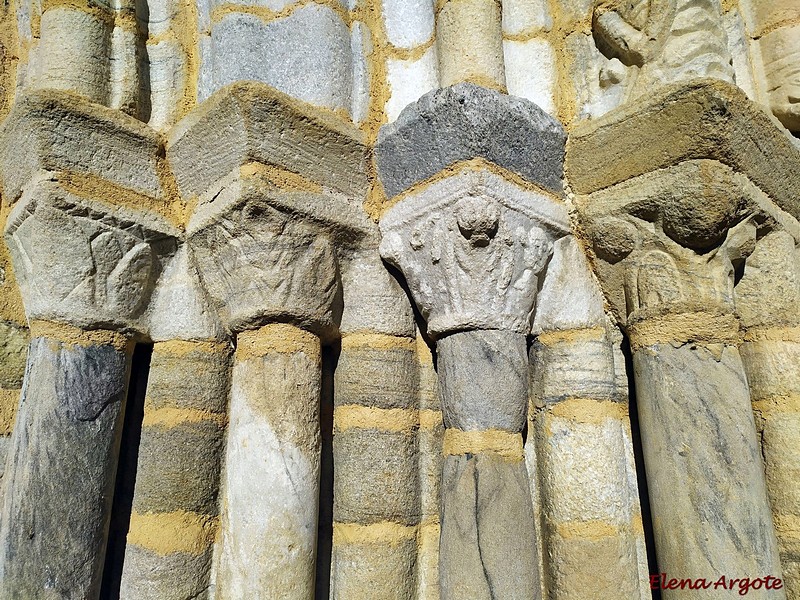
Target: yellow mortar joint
(440, 4)
(587, 410)
(169, 417)
(695, 327)
(591, 530)
(91, 187)
(279, 177)
(9, 403)
(181, 348)
(472, 164)
(779, 404)
(572, 336)
(772, 334)
(74, 336)
(775, 26)
(268, 15)
(494, 441)
(409, 54)
(430, 419)
(168, 533)
(11, 306)
(276, 338)
(9, 43)
(383, 533)
(353, 416)
(428, 535)
(424, 354)
(377, 341)
(527, 35)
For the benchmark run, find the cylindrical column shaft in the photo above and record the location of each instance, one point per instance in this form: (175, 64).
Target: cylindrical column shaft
(74, 52)
(61, 469)
(376, 489)
(174, 515)
(704, 468)
(593, 524)
(469, 41)
(771, 358)
(488, 546)
(431, 461)
(272, 467)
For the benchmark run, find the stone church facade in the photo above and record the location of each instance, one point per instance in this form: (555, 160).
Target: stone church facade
(399, 299)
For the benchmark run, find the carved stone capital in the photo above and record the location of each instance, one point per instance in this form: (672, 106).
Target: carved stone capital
(83, 262)
(669, 242)
(472, 247)
(267, 253)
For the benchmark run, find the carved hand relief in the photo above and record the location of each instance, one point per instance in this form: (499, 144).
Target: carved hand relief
(259, 263)
(473, 259)
(663, 41)
(780, 50)
(81, 262)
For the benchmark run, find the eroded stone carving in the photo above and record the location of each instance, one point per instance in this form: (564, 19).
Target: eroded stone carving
(780, 51)
(84, 262)
(471, 249)
(663, 41)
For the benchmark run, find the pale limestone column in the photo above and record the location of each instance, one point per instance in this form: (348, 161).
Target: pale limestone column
(581, 463)
(768, 303)
(74, 50)
(469, 43)
(376, 504)
(61, 469)
(471, 252)
(674, 282)
(272, 462)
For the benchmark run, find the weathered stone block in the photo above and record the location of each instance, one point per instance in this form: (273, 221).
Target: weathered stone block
(377, 378)
(384, 570)
(376, 477)
(250, 121)
(13, 350)
(467, 121)
(50, 130)
(161, 583)
(706, 119)
(305, 54)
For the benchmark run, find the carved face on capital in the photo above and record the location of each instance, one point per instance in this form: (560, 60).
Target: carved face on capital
(781, 52)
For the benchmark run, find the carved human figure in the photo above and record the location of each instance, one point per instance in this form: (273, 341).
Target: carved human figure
(780, 50)
(663, 41)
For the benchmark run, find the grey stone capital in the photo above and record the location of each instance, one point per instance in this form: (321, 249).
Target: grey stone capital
(472, 247)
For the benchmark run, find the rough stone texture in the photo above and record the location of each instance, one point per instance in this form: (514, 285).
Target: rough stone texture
(408, 23)
(13, 351)
(577, 368)
(376, 476)
(65, 448)
(83, 262)
(385, 570)
(271, 490)
(469, 42)
(705, 476)
(780, 50)
(305, 54)
(488, 545)
(74, 52)
(410, 80)
(483, 378)
(669, 42)
(51, 130)
(161, 582)
(531, 72)
(466, 121)
(265, 254)
(250, 121)
(473, 232)
(376, 377)
(703, 119)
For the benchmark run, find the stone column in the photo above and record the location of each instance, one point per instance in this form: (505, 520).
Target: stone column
(768, 303)
(74, 51)
(469, 42)
(674, 282)
(86, 271)
(376, 418)
(175, 506)
(471, 254)
(582, 466)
